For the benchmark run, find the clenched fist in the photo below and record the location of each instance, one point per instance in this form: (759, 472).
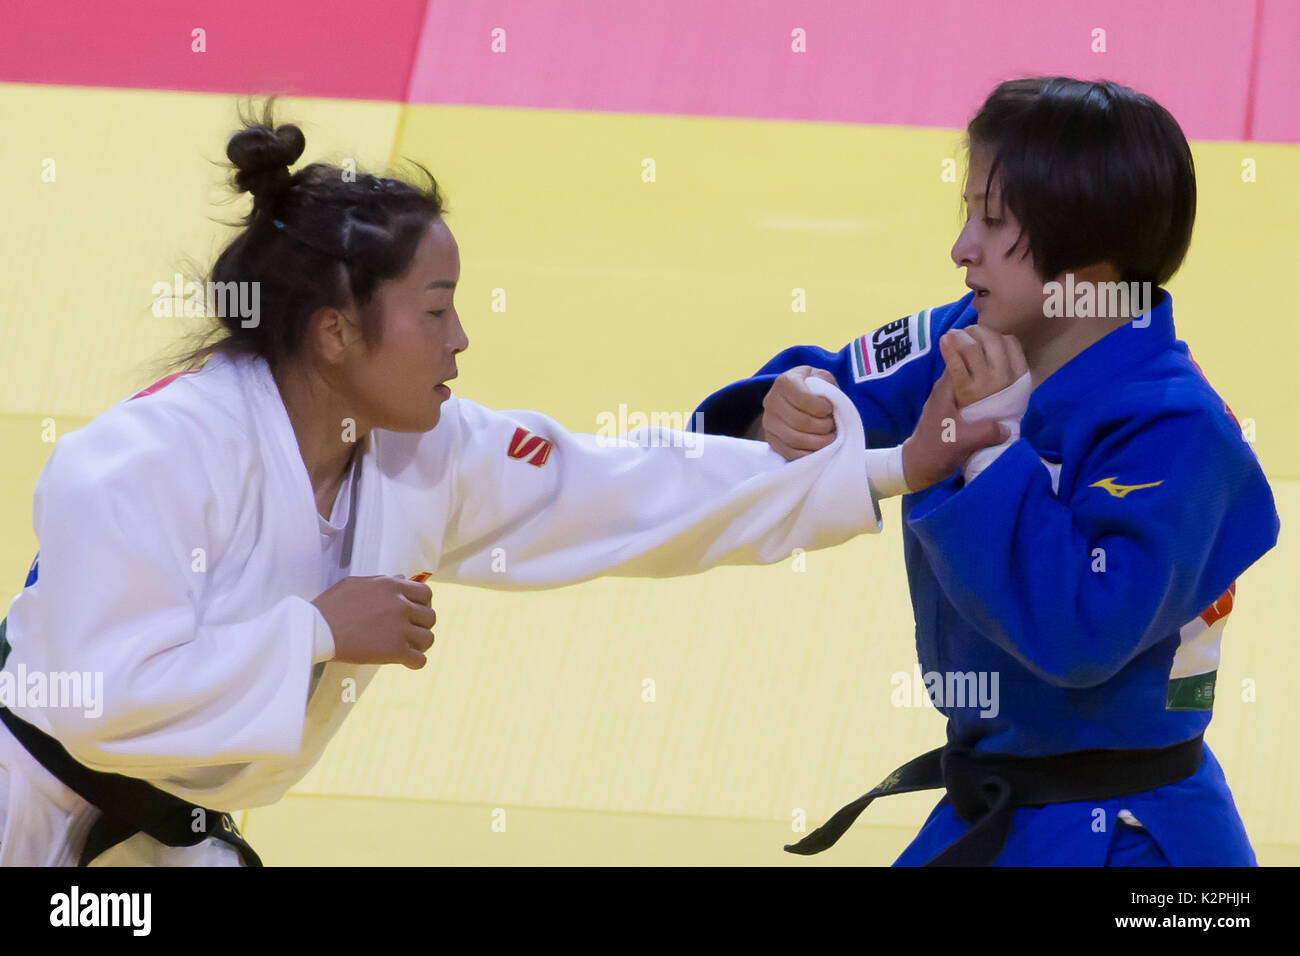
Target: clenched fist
(379, 620)
(796, 422)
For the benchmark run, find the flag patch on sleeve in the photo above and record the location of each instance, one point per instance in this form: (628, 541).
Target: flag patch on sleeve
(891, 346)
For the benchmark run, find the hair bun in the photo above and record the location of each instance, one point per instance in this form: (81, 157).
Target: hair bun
(262, 157)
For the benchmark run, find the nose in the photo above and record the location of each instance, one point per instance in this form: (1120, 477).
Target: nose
(459, 340)
(966, 251)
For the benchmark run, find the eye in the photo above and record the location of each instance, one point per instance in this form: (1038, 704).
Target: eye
(438, 314)
(991, 222)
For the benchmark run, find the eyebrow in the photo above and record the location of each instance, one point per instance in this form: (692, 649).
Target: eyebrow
(440, 284)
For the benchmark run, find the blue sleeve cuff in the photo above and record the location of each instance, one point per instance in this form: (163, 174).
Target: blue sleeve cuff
(954, 509)
(731, 410)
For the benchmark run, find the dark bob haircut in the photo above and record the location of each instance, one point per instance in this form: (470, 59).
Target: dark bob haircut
(1094, 172)
(321, 237)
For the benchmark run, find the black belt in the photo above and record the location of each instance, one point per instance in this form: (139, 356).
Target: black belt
(127, 805)
(984, 789)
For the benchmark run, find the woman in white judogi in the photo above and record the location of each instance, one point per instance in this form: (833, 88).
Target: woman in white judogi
(236, 551)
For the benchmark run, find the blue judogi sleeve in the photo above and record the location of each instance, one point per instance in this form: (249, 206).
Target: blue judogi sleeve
(887, 373)
(1161, 513)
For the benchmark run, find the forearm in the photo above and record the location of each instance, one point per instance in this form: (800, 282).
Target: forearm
(651, 510)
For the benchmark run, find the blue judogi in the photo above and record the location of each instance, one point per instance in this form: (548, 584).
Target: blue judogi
(1090, 567)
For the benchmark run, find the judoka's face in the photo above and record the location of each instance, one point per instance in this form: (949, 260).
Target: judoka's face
(1009, 293)
(401, 384)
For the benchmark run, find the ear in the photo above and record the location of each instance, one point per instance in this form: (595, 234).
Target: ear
(333, 331)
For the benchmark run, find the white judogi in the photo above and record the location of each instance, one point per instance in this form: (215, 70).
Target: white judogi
(180, 548)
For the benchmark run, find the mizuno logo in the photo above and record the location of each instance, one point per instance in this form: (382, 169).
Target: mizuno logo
(1118, 490)
(525, 446)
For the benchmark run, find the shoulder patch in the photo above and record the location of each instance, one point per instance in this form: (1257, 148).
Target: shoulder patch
(525, 446)
(891, 346)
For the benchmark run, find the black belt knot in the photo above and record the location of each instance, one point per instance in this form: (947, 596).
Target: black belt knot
(973, 790)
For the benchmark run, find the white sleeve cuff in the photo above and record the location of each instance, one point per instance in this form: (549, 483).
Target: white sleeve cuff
(323, 641)
(1007, 406)
(885, 472)
(986, 456)
(1011, 402)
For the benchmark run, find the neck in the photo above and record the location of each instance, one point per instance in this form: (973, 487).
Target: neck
(1049, 343)
(317, 412)
(1047, 357)
(1049, 354)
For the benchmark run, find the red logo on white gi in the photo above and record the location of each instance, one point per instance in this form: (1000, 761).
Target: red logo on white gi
(525, 446)
(162, 382)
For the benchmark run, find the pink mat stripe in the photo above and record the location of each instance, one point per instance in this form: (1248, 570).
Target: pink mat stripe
(1276, 115)
(1227, 69)
(924, 63)
(329, 48)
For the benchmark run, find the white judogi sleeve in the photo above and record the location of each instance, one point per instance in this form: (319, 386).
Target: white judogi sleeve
(535, 506)
(121, 512)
